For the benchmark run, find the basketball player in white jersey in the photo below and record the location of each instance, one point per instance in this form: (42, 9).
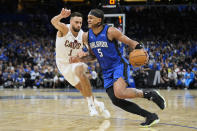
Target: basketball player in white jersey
(68, 44)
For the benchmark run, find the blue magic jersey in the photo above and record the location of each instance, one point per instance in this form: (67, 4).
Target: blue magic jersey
(106, 51)
(110, 58)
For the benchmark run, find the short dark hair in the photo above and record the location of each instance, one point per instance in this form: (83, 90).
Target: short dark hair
(97, 13)
(76, 14)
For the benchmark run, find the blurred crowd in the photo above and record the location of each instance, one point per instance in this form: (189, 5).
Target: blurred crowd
(27, 49)
(171, 65)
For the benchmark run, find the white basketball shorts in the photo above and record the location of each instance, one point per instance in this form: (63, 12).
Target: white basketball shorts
(68, 71)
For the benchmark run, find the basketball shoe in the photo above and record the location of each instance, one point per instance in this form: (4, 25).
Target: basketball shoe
(155, 97)
(92, 110)
(104, 112)
(150, 120)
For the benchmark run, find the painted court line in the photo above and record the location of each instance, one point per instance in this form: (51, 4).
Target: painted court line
(113, 118)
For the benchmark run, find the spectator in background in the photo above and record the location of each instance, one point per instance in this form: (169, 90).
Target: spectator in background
(189, 78)
(195, 81)
(157, 67)
(164, 78)
(39, 82)
(10, 66)
(48, 79)
(20, 81)
(56, 79)
(27, 76)
(34, 74)
(5, 73)
(180, 82)
(172, 75)
(141, 81)
(13, 74)
(1, 80)
(1, 64)
(9, 82)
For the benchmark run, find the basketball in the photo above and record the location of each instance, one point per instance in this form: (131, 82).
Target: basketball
(138, 57)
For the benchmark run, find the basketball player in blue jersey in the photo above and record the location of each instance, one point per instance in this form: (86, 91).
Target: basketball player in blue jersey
(102, 42)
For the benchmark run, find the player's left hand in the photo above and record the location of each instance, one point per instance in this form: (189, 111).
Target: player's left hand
(147, 59)
(74, 59)
(82, 54)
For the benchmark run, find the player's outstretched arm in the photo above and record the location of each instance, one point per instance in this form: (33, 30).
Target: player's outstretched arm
(90, 55)
(114, 33)
(85, 57)
(59, 25)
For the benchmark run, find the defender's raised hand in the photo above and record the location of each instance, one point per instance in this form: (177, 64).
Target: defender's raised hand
(65, 13)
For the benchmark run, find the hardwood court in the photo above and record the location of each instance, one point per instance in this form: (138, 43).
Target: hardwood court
(58, 110)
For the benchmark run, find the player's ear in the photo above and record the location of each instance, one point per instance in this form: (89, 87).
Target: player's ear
(71, 19)
(100, 20)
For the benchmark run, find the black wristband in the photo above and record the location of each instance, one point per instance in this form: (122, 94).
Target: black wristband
(138, 46)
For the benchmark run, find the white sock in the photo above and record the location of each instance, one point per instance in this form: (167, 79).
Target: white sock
(90, 101)
(96, 101)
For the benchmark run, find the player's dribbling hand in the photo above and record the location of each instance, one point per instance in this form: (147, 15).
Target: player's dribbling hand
(65, 13)
(147, 59)
(82, 54)
(74, 59)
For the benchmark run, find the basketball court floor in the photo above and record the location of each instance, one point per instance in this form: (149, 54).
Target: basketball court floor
(66, 110)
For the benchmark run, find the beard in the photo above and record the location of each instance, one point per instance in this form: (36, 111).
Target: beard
(75, 29)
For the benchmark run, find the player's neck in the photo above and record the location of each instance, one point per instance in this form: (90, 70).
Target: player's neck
(75, 34)
(97, 30)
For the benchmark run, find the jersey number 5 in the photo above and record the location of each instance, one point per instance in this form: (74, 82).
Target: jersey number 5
(100, 52)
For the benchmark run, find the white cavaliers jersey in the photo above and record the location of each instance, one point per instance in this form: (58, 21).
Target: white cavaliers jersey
(68, 46)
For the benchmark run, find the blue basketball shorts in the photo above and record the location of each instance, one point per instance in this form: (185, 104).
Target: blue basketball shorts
(121, 70)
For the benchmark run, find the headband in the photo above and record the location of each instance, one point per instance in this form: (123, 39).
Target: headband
(96, 14)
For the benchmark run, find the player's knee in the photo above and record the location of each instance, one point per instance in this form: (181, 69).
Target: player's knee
(115, 100)
(119, 92)
(79, 71)
(119, 88)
